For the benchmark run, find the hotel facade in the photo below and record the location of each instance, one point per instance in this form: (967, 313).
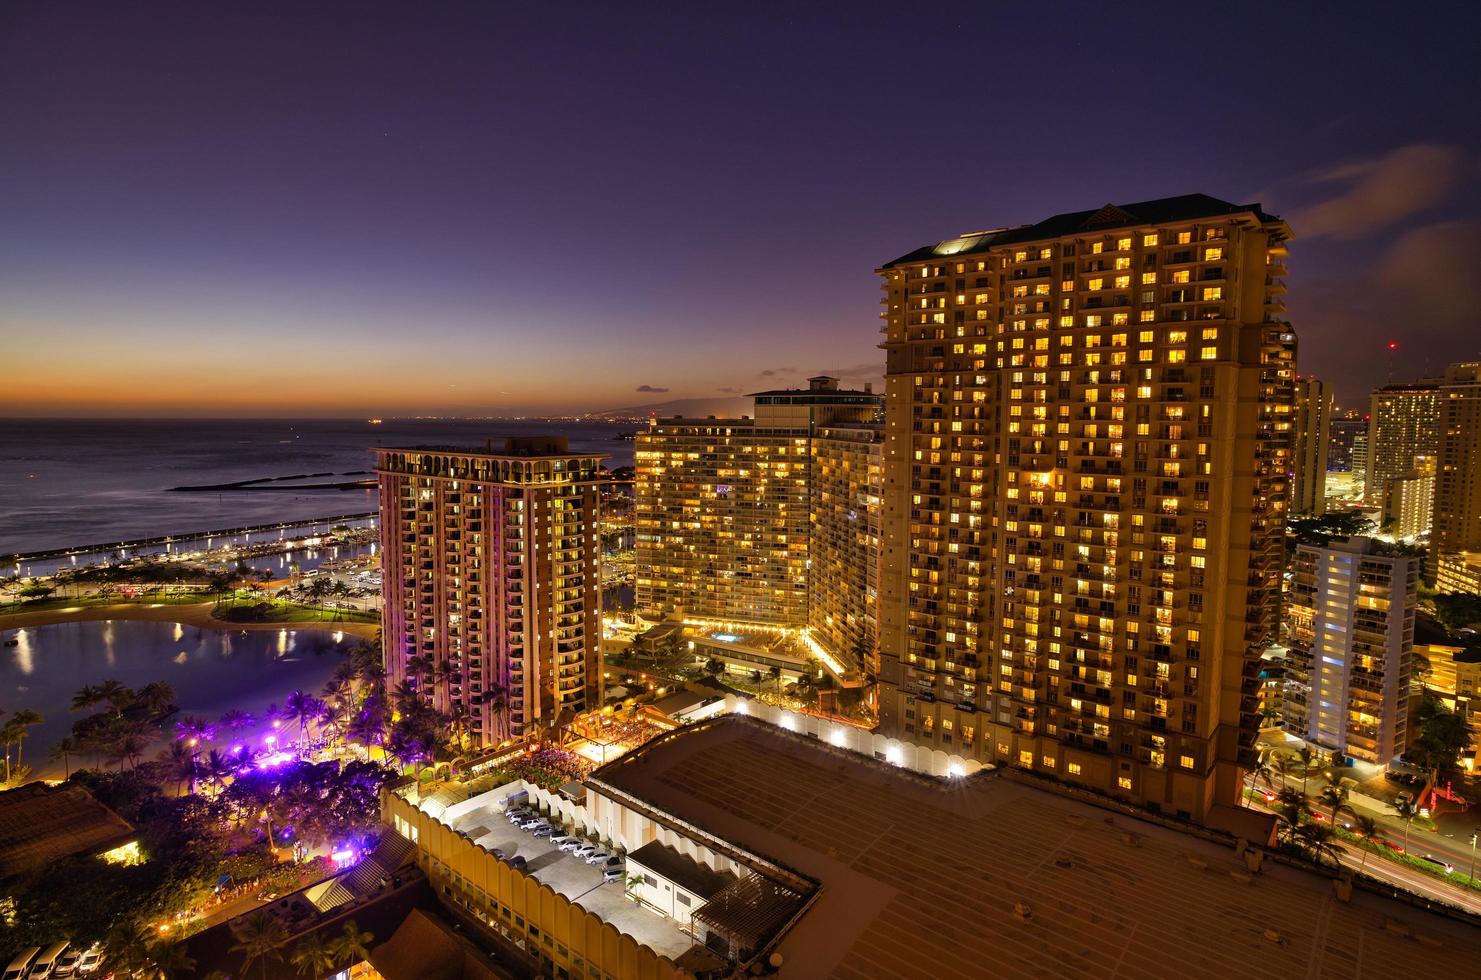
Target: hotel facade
(1313, 442)
(1456, 537)
(1087, 448)
(491, 572)
(1403, 431)
(1351, 619)
(768, 522)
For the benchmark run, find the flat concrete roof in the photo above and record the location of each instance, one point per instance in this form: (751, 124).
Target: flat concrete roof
(922, 878)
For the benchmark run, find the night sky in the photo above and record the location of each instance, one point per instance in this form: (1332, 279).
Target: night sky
(351, 209)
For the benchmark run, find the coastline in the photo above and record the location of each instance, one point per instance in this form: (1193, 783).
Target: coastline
(187, 614)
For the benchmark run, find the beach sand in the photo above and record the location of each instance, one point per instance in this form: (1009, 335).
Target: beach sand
(193, 614)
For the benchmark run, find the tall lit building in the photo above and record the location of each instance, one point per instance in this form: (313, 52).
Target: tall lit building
(1351, 616)
(1409, 502)
(491, 569)
(1345, 430)
(1360, 460)
(1088, 436)
(729, 521)
(1313, 432)
(843, 572)
(1403, 426)
(1457, 524)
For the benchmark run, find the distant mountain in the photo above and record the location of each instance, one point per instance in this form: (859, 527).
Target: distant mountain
(726, 407)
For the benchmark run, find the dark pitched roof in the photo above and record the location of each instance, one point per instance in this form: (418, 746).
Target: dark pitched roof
(1185, 207)
(681, 869)
(40, 824)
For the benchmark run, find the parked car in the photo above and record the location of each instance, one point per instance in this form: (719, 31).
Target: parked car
(530, 823)
(67, 965)
(566, 842)
(544, 830)
(586, 850)
(519, 813)
(598, 856)
(614, 872)
(22, 963)
(46, 963)
(1442, 865)
(91, 960)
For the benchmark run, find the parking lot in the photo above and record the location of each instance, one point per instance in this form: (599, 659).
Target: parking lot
(573, 878)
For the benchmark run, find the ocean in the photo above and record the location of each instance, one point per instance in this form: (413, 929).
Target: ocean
(71, 482)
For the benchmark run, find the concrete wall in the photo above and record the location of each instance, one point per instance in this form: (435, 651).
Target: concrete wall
(908, 755)
(493, 888)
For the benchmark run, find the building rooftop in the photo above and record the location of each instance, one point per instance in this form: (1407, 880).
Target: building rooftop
(681, 869)
(1186, 207)
(40, 824)
(998, 874)
(515, 447)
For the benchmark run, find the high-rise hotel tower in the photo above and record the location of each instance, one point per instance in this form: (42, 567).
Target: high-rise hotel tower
(1087, 441)
(491, 569)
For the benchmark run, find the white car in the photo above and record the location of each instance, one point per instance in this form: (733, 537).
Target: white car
(585, 851)
(614, 872)
(91, 960)
(67, 965)
(530, 823)
(544, 830)
(598, 856)
(566, 842)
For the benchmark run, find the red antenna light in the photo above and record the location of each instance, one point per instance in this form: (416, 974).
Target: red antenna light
(1393, 345)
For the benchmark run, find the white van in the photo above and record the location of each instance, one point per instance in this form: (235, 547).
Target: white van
(18, 966)
(46, 962)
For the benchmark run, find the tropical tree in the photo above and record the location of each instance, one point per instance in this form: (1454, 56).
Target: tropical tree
(776, 675)
(66, 747)
(1406, 810)
(260, 939)
(351, 946)
(1319, 840)
(304, 709)
(1369, 830)
(14, 732)
(1334, 796)
(312, 955)
(1308, 757)
(1259, 772)
(1292, 806)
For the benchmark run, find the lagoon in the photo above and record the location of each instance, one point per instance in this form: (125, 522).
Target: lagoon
(211, 670)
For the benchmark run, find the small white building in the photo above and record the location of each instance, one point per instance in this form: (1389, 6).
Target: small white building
(671, 883)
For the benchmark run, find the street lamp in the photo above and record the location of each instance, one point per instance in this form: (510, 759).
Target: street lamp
(1472, 875)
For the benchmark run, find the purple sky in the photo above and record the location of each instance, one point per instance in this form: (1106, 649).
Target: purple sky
(387, 209)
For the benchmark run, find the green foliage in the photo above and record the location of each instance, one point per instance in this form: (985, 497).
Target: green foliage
(1442, 736)
(1457, 610)
(1334, 524)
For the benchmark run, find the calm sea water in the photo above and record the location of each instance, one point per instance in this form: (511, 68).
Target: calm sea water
(211, 670)
(68, 482)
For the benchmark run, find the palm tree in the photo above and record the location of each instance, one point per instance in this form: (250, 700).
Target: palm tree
(351, 946)
(1292, 805)
(776, 675)
(1260, 771)
(1334, 795)
(18, 728)
(1369, 830)
(65, 748)
(1319, 841)
(236, 719)
(1308, 755)
(312, 955)
(261, 936)
(156, 697)
(1405, 810)
(302, 708)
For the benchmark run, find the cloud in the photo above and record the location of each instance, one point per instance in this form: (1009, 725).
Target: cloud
(773, 372)
(730, 390)
(651, 389)
(1432, 268)
(1378, 192)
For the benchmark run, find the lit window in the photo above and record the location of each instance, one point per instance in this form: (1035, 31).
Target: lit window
(1124, 782)
(1213, 254)
(1149, 240)
(1212, 293)
(1148, 278)
(1186, 762)
(1123, 243)
(1209, 354)
(1074, 768)
(1026, 757)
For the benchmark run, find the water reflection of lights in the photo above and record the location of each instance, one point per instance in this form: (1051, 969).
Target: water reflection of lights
(179, 632)
(25, 656)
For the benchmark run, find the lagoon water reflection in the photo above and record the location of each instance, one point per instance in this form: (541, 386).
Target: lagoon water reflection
(211, 670)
